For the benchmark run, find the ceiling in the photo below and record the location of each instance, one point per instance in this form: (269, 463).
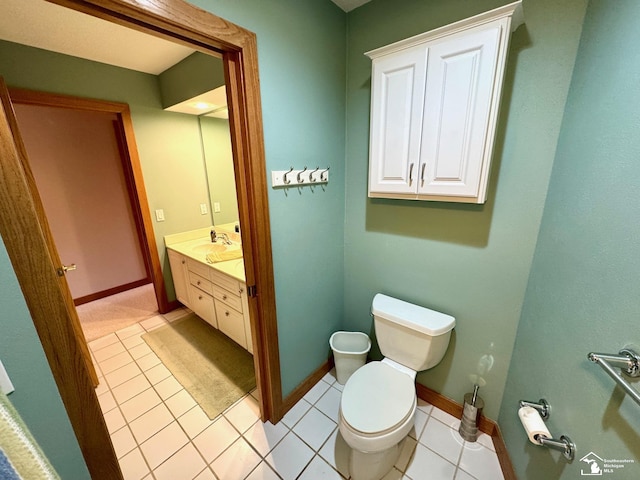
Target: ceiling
(348, 5)
(39, 24)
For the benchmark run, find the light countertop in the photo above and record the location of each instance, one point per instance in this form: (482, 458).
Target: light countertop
(193, 245)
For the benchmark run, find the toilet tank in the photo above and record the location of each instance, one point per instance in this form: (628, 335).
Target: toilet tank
(413, 336)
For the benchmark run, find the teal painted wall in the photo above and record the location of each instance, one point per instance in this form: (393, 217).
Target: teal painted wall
(36, 396)
(583, 290)
(470, 261)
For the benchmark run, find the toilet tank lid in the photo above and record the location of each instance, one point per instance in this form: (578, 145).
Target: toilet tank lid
(412, 316)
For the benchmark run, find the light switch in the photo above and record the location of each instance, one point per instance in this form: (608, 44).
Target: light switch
(5, 382)
(203, 208)
(160, 215)
(216, 207)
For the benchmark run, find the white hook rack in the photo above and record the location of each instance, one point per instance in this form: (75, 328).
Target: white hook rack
(297, 178)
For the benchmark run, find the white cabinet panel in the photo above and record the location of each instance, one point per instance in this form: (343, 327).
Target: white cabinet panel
(457, 102)
(203, 305)
(180, 274)
(231, 323)
(396, 120)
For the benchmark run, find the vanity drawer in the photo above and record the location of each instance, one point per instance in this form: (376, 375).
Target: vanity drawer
(203, 305)
(199, 268)
(227, 297)
(200, 282)
(225, 281)
(231, 323)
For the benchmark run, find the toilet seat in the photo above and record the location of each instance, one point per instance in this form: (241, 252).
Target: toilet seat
(377, 399)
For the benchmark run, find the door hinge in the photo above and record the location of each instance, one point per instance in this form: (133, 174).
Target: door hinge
(252, 291)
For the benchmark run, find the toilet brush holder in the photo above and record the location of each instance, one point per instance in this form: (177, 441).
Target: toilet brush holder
(471, 412)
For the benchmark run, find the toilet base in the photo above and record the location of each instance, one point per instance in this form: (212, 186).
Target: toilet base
(372, 466)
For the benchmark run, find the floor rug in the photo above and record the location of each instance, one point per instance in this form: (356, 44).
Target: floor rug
(214, 369)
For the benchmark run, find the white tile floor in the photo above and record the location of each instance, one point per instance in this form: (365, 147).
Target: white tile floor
(159, 432)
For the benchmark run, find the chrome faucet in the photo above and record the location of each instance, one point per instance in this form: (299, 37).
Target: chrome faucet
(225, 238)
(214, 237)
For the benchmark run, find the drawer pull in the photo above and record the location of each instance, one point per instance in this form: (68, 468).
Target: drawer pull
(198, 282)
(224, 297)
(199, 297)
(226, 313)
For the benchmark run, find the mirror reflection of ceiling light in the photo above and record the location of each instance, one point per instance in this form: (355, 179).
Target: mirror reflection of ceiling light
(203, 105)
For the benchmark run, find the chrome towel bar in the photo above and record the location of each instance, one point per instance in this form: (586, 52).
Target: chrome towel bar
(627, 360)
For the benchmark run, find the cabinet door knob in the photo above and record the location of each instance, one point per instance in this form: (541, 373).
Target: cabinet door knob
(199, 297)
(198, 282)
(224, 297)
(184, 261)
(411, 174)
(226, 314)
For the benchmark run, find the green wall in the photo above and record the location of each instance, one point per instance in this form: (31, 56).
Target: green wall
(583, 289)
(470, 261)
(36, 396)
(193, 76)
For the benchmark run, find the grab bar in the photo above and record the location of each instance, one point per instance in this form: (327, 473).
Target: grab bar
(627, 360)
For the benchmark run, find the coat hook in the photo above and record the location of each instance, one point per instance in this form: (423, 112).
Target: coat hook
(311, 175)
(287, 181)
(322, 177)
(300, 179)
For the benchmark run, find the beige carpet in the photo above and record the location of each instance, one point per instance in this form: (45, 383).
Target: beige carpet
(214, 369)
(109, 314)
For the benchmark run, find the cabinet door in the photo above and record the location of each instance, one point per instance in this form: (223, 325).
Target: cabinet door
(180, 274)
(203, 306)
(396, 120)
(231, 323)
(460, 80)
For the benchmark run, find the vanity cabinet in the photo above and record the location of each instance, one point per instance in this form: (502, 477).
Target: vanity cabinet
(201, 292)
(434, 106)
(233, 317)
(180, 274)
(219, 299)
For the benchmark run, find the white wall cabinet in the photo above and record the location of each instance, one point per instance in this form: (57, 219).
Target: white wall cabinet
(434, 105)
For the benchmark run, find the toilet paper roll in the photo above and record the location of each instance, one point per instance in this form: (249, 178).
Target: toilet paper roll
(533, 424)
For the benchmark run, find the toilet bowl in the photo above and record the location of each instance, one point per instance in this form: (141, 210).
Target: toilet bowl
(378, 403)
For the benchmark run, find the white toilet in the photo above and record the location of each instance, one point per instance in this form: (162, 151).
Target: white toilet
(378, 404)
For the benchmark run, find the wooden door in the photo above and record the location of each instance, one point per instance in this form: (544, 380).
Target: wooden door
(29, 243)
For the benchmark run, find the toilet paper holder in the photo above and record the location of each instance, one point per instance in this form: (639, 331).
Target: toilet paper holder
(564, 444)
(542, 406)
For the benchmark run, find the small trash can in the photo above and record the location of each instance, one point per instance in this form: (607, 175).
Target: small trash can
(349, 353)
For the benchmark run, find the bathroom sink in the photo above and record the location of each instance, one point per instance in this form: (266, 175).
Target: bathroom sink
(215, 248)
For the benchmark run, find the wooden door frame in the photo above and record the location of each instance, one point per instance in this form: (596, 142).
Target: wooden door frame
(137, 195)
(177, 21)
